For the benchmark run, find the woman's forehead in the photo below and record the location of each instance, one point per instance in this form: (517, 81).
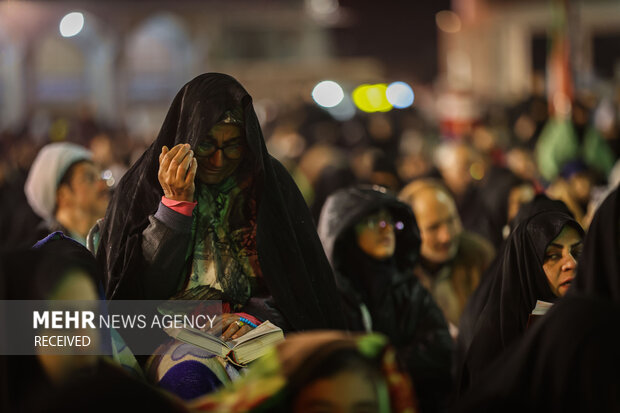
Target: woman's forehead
(225, 132)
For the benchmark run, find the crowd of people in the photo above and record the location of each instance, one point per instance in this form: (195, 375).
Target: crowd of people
(404, 264)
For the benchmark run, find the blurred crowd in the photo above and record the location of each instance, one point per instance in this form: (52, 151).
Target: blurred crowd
(442, 241)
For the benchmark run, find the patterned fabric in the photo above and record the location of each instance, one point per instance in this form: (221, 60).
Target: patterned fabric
(264, 386)
(224, 255)
(189, 371)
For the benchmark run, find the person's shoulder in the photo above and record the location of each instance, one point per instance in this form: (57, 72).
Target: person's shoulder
(474, 246)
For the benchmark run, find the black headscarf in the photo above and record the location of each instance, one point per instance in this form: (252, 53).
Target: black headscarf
(494, 199)
(568, 361)
(293, 264)
(478, 300)
(518, 282)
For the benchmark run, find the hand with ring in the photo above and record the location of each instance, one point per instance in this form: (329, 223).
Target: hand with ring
(231, 327)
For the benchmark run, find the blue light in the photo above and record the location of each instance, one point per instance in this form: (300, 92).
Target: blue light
(400, 95)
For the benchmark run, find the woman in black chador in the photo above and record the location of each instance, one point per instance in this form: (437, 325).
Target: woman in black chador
(207, 213)
(538, 262)
(372, 241)
(568, 361)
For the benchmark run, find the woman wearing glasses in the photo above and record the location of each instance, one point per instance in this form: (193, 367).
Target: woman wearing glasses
(207, 214)
(372, 241)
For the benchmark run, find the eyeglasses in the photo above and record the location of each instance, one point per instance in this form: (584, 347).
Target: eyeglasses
(382, 220)
(232, 151)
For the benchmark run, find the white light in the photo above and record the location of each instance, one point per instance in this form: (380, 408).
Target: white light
(71, 24)
(327, 94)
(400, 95)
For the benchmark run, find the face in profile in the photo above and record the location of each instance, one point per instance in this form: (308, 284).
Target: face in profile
(220, 153)
(439, 223)
(560, 261)
(346, 391)
(375, 235)
(85, 190)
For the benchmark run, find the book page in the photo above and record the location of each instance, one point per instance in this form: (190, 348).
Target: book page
(264, 328)
(541, 307)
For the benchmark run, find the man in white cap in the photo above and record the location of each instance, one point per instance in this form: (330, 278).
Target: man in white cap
(65, 188)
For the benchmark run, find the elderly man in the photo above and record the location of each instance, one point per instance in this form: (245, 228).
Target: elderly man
(452, 260)
(65, 189)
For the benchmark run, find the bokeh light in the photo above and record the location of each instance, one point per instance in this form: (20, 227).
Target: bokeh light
(344, 111)
(71, 24)
(448, 21)
(327, 94)
(476, 170)
(322, 6)
(400, 95)
(371, 98)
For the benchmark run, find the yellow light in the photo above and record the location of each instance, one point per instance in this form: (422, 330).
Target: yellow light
(371, 98)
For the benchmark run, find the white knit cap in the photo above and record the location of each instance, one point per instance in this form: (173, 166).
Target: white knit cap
(46, 172)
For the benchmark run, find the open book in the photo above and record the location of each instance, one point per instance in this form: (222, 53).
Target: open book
(240, 351)
(540, 310)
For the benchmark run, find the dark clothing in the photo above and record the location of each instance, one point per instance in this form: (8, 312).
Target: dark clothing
(293, 265)
(479, 298)
(599, 267)
(568, 361)
(99, 387)
(493, 196)
(387, 291)
(511, 294)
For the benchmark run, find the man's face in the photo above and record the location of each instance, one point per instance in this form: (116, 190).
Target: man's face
(220, 153)
(86, 190)
(439, 223)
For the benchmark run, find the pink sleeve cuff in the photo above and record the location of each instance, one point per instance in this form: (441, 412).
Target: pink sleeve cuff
(182, 207)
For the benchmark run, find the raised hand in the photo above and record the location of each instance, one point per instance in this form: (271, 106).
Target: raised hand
(177, 170)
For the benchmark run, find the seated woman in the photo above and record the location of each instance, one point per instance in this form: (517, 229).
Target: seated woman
(372, 241)
(568, 361)
(320, 371)
(207, 214)
(538, 262)
(59, 268)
